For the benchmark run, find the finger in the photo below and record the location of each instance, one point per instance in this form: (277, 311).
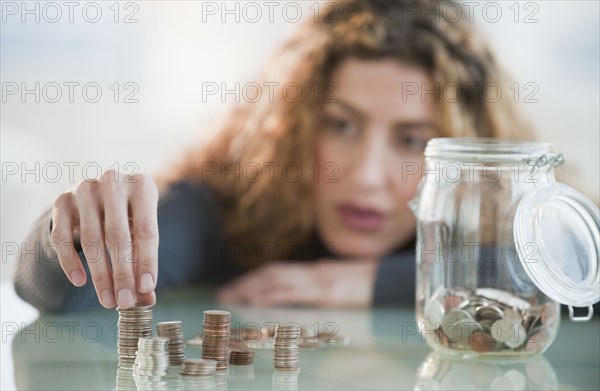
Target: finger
(63, 214)
(272, 278)
(146, 298)
(117, 237)
(92, 242)
(290, 285)
(143, 200)
(238, 290)
(275, 297)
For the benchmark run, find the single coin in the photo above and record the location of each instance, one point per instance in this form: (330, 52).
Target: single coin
(504, 297)
(486, 316)
(549, 314)
(537, 340)
(502, 330)
(454, 316)
(481, 342)
(518, 337)
(451, 302)
(512, 315)
(441, 338)
(434, 312)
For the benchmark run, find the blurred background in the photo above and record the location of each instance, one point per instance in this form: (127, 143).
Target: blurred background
(120, 85)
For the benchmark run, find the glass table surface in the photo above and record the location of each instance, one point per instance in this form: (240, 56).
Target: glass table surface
(377, 349)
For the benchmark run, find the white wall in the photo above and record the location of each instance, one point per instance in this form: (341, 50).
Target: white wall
(171, 51)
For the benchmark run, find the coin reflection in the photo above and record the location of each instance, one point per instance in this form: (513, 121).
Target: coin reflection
(285, 380)
(438, 372)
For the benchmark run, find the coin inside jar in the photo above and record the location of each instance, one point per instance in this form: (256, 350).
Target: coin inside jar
(486, 316)
(465, 329)
(455, 316)
(501, 330)
(451, 302)
(481, 341)
(434, 312)
(518, 337)
(537, 339)
(549, 314)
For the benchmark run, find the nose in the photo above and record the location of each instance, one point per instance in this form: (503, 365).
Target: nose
(370, 168)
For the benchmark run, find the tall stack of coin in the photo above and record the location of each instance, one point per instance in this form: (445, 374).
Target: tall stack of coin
(133, 323)
(285, 347)
(174, 332)
(216, 333)
(152, 359)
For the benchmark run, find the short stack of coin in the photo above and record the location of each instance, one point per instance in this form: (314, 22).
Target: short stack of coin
(240, 354)
(216, 334)
(198, 367)
(152, 359)
(174, 332)
(133, 323)
(285, 347)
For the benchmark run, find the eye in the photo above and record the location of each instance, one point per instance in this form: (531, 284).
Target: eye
(340, 125)
(413, 142)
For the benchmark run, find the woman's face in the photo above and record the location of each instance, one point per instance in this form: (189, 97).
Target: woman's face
(370, 152)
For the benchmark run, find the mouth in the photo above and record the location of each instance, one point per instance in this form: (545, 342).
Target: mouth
(360, 218)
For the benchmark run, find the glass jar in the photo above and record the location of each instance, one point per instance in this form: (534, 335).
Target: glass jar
(499, 245)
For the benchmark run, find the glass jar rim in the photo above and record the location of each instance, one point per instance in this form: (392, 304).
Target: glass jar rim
(474, 149)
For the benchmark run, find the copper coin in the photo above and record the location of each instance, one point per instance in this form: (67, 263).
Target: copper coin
(441, 338)
(549, 314)
(481, 341)
(537, 340)
(451, 302)
(236, 346)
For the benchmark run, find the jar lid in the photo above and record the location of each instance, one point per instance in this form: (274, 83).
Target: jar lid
(556, 231)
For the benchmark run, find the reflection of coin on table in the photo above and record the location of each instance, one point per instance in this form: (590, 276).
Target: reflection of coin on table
(439, 372)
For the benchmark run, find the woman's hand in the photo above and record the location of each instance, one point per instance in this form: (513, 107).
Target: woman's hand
(325, 284)
(117, 213)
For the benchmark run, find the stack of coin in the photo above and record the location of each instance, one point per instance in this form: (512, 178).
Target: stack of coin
(240, 354)
(198, 367)
(152, 359)
(216, 333)
(285, 347)
(174, 332)
(490, 320)
(133, 323)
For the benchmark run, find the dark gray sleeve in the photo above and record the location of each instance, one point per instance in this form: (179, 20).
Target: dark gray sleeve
(395, 280)
(190, 231)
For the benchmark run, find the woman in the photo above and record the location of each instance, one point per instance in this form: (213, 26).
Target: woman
(299, 200)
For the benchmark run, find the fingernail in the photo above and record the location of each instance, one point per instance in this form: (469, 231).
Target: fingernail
(125, 298)
(77, 278)
(108, 298)
(146, 283)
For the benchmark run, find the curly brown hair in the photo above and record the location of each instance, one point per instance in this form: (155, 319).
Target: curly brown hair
(273, 209)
